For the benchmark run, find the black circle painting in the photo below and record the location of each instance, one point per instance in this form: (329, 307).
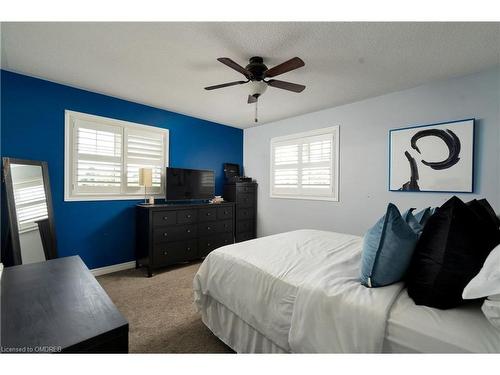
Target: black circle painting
(437, 157)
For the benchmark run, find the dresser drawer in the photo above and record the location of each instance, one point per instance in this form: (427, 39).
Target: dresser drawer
(244, 213)
(225, 212)
(245, 226)
(225, 226)
(173, 252)
(207, 244)
(244, 236)
(246, 189)
(207, 214)
(164, 218)
(187, 216)
(208, 228)
(245, 199)
(211, 227)
(225, 239)
(175, 233)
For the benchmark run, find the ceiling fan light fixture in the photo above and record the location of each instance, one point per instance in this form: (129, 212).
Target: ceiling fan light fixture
(257, 88)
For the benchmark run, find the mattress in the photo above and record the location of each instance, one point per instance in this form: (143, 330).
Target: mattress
(421, 329)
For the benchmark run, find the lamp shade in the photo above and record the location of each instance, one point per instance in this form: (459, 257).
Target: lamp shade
(145, 177)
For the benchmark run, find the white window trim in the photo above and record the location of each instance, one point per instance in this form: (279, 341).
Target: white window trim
(69, 117)
(335, 131)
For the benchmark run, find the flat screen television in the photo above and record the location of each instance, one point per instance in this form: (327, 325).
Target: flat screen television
(189, 184)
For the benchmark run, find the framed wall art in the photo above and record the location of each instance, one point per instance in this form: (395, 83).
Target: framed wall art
(433, 158)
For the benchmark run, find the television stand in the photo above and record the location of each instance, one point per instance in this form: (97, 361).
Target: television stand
(175, 233)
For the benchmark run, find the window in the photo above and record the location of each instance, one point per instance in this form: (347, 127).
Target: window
(305, 165)
(103, 157)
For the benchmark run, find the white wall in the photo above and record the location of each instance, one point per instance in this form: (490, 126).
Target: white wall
(364, 128)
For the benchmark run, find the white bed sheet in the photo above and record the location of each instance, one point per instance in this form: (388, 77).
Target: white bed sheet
(406, 331)
(291, 284)
(422, 329)
(247, 294)
(235, 332)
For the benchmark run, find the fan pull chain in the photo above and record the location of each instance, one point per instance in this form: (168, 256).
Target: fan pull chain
(256, 111)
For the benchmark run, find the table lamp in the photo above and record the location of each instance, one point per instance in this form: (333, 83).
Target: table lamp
(146, 180)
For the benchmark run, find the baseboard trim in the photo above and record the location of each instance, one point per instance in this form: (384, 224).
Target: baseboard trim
(113, 268)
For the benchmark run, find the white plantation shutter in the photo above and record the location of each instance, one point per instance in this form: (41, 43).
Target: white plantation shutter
(98, 160)
(31, 203)
(144, 150)
(286, 168)
(103, 157)
(305, 165)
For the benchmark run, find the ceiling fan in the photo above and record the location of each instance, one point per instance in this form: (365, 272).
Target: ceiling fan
(257, 74)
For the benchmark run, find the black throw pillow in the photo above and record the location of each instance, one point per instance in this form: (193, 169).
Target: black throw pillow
(491, 212)
(482, 209)
(450, 252)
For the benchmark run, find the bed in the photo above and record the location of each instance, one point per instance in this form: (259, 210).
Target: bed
(299, 292)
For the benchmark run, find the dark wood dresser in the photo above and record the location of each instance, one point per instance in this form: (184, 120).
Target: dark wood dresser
(58, 306)
(244, 194)
(174, 233)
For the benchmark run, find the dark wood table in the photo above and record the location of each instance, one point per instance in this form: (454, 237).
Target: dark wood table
(58, 306)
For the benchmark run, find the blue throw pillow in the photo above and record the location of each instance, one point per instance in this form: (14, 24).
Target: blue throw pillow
(424, 215)
(387, 250)
(412, 221)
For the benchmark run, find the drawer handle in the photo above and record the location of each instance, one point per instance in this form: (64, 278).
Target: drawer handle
(188, 230)
(208, 243)
(165, 252)
(188, 216)
(165, 234)
(188, 249)
(165, 217)
(208, 228)
(209, 213)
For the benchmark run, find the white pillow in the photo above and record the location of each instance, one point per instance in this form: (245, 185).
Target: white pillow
(487, 281)
(491, 310)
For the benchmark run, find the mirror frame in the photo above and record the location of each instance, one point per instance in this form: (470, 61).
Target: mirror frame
(15, 246)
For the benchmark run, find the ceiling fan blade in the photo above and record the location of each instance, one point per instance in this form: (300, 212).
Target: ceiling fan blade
(225, 85)
(227, 61)
(291, 64)
(286, 85)
(252, 99)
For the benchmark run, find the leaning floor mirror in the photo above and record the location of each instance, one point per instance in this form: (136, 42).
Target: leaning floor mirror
(31, 235)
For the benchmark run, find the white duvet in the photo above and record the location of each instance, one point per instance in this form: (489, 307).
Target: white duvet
(301, 290)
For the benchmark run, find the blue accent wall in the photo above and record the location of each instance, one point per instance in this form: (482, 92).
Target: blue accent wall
(101, 232)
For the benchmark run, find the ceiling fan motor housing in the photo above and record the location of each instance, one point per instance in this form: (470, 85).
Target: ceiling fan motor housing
(257, 68)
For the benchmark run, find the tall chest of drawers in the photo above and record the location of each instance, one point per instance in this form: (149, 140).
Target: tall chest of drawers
(244, 195)
(168, 234)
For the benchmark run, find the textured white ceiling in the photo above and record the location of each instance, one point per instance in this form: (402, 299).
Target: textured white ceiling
(166, 65)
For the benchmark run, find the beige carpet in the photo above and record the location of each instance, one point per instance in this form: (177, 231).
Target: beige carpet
(160, 311)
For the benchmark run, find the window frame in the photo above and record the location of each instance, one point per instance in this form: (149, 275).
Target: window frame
(333, 196)
(69, 155)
